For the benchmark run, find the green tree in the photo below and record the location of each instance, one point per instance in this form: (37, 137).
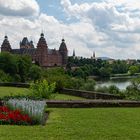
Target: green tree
(35, 73)
(8, 63)
(133, 70)
(89, 85)
(24, 63)
(133, 90)
(104, 72)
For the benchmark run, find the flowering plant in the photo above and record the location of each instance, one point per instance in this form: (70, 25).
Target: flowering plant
(8, 116)
(35, 109)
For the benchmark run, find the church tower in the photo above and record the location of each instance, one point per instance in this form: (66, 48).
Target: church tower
(93, 57)
(42, 50)
(73, 55)
(64, 52)
(6, 47)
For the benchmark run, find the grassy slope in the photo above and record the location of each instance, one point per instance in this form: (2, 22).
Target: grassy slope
(8, 91)
(86, 124)
(67, 97)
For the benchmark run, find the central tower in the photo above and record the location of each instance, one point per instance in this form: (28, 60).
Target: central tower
(42, 50)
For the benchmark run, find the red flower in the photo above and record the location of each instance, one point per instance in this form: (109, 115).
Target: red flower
(13, 117)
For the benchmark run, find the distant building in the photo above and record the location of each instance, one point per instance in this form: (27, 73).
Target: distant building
(73, 55)
(130, 61)
(41, 55)
(93, 57)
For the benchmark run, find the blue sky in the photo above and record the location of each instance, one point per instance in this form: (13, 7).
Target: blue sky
(54, 8)
(110, 28)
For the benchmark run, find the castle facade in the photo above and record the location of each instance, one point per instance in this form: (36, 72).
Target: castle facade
(41, 55)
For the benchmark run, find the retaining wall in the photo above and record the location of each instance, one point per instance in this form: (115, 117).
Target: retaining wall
(23, 85)
(92, 103)
(89, 94)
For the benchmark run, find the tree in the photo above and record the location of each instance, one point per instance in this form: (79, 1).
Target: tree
(8, 63)
(104, 72)
(133, 90)
(133, 70)
(35, 73)
(24, 63)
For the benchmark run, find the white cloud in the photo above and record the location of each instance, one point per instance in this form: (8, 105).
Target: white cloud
(19, 7)
(117, 21)
(109, 28)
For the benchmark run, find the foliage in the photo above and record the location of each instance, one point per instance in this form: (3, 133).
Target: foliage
(133, 91)
(119, 67)
(62, 79)
(42, 89)
(85, 67)
(23, 63)
(104, 72)
(35, 73)
(88, 85)
(114, 90)
(133, 70)
(103, 89)
(15, 66)
(8, 63)
(4, 77)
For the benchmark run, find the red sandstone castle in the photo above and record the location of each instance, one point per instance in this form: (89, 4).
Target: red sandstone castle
(41, 55)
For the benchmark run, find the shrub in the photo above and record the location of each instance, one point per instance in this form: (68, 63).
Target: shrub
(103, 89)
(5, 77)
(89, 85)
(41, 89)
(113, 90)
(133, 90)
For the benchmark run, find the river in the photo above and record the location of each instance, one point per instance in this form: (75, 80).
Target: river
(121, 83)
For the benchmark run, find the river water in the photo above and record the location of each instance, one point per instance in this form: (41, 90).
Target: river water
(121, 83)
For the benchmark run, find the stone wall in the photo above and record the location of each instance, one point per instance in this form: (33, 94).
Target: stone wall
(23, 85)
(92, 103)
(89, 94)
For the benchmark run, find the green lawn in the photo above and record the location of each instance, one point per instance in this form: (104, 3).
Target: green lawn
(83, 124)
(74, 124)
(8, 91)
(67, 97)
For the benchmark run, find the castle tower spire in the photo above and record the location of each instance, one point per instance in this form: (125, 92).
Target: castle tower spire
(64, 52)
(6, 47)
(42, 42)
(42, 50)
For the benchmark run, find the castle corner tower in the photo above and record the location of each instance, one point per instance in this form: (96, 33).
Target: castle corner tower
(64, 52)
(6, 47)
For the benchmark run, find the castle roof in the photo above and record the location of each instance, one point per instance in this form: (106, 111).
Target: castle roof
(25, 42)
(42, 41)
(6, 43)
(29, 51)
(63, 46)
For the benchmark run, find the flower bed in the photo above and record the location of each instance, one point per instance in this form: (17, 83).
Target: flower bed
(8, 116)
(23, 112)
